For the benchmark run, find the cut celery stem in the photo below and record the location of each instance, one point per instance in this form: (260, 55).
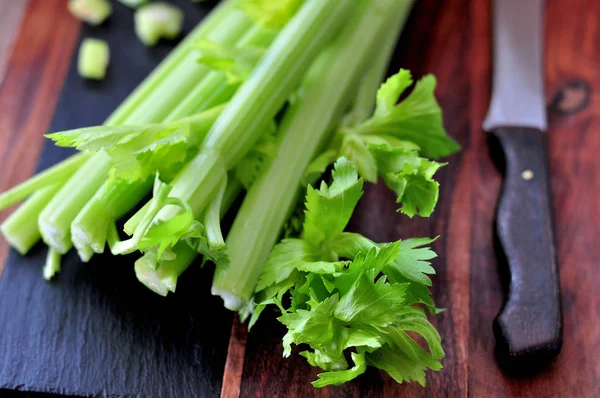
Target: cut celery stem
(88, 231)
(275, 77)
(163, 279)
(21, 228)
(52, 265)
(93, 60)
(56, 219)
(318, 107)
(56, 174)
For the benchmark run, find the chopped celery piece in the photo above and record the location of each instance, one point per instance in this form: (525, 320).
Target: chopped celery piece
(93, 12)
(158, 20)
(94, 56)
(133, 3)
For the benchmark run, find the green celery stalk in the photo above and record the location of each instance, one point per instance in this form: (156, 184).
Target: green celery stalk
(58, 173)
(258, 100)
(279, 72)
(21, 228)
(114, 199)
(164, 279)
(56, 219)
(319, 105)
(364, 101)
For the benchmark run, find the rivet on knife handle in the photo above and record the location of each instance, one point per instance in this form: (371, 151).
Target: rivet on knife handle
(529, 328)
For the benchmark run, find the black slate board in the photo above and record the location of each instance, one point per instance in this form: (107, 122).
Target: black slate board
(95, 330)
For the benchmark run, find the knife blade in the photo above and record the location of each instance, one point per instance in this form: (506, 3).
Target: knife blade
(528, 328)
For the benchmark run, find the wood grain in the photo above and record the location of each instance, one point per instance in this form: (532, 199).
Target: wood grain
(10, 21)
(34, 76)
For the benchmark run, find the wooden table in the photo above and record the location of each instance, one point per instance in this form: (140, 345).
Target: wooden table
(452, 40)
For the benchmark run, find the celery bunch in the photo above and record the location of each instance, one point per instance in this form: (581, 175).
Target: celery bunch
(262, 98)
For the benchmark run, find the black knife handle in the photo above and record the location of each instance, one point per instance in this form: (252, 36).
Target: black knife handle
(528, 329)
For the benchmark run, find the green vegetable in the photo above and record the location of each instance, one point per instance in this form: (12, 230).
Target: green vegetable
(158, 20)
(93, 60)
(364, 304)
(93, 12)
(21, 228)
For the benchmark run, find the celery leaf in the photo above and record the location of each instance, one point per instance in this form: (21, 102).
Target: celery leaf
(417, 118)
(329, 208)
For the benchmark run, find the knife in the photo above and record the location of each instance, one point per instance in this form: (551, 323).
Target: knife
(528, 329)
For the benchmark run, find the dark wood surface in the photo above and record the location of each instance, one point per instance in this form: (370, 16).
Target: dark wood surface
(452, 40)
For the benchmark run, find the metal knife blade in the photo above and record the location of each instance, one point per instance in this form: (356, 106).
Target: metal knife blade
(528, 329)
(518, 78)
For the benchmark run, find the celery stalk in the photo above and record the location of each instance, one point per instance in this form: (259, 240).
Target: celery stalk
(114, 199)
(320, 102)
(21, 228)
(364, 102)
(56, 174)
(55, 220)
(276, 76)
(164, 279)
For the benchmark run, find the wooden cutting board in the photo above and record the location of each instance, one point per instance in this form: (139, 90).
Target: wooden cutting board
(95, 331)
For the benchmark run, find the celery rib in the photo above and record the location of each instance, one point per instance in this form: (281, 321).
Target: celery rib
(21, 228)
(52, 175)
(319, 105)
